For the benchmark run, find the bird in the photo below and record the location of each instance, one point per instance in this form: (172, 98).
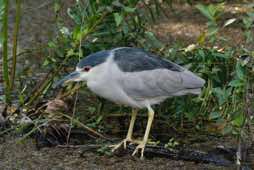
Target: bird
(136, 78)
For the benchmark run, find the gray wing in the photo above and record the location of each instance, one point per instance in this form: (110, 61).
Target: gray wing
(159, 83)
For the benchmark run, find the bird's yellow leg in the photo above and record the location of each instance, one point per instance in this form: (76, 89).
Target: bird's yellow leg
(142, 144)
(129, 134)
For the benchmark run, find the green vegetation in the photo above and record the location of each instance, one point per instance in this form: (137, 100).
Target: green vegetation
(4, 40)
(4, 14)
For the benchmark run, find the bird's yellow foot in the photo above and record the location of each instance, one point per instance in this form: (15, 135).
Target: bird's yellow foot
(124, 143)
(141, 146)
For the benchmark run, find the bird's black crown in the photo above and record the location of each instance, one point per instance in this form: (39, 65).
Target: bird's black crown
(94, 59)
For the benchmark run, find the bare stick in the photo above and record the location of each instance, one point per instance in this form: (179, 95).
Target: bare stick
(73, 113)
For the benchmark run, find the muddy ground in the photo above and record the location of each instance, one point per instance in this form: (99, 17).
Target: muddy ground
(26, 156)
(37, 27)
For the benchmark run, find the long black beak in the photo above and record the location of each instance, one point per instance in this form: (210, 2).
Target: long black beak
(70, 77)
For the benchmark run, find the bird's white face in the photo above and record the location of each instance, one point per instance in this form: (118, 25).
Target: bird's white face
(83, 73)
(80, 74)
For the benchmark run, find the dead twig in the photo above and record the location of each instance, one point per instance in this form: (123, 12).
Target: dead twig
(85, 127)
(73, 113)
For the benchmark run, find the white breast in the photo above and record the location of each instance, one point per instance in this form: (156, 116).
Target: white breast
(103, 81)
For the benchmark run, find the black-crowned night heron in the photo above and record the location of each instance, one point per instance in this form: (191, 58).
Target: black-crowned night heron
(136, 78)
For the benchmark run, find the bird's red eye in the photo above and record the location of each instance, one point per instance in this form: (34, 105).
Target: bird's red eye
(86, 68)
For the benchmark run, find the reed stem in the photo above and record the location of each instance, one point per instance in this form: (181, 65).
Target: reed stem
(5, 53)
(15, 40)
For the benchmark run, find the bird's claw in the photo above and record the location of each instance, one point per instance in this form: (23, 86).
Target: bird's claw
(124, 143)
(142, 147)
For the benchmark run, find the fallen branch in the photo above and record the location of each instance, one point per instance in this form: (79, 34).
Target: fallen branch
(216, 156)
(184, 154)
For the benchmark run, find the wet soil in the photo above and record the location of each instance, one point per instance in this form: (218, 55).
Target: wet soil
(25, 155)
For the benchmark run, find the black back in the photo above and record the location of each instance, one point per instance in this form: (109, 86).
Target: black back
(135, 60)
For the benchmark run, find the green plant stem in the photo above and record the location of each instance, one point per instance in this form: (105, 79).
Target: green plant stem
(6, 131)
(5, 53)
(54, 72)
(42, 86)
(30, 133)
(90, 30)
(15, 38)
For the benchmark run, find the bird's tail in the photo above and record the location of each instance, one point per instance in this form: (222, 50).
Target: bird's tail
(192, 81)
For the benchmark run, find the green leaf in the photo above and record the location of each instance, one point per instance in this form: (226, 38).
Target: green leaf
(98, 120)
(227, 130)
(57, 7)
(205, 11)
(1, 9)
(247, 21)
(46, 62)
(212, 30)
(76, 33)
(117, 3)
(125, 27)
(236, 83)
(118, 18)
(238, 119)
(73, 15)
(91, 109)
(51, 44)
(129, 9)
(70, 53)
(201, 38)
(222, 94)
(214, 115)
(153, 40)
(190, 115)
(240, 71)
(201, 53)
(212, 10)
